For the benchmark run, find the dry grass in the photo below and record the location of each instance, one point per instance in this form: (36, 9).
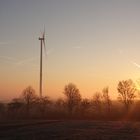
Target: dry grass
(69, 130)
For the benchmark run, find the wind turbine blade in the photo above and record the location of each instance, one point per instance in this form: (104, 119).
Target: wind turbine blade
(44, 45)
(43, 34)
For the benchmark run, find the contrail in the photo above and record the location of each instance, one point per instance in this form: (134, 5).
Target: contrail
(7, 58)
(134, 63)
(22, 62)
(16, 61)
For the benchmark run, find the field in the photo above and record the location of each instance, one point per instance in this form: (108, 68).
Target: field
(69, 130)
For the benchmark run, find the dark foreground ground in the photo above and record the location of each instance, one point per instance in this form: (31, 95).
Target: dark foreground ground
(69, 130)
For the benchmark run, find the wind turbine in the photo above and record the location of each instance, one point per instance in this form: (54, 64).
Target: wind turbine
(42, 43)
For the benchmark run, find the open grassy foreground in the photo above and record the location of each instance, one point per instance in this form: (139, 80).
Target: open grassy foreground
(69, 130)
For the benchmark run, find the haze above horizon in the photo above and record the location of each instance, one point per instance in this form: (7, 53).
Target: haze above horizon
(92, 43)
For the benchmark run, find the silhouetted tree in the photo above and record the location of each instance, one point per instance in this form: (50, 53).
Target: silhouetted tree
(126, 89)
(60, 103)
(60, 108)
(15, 104)
(29, 97)
(15, 107)
(42, 104)
(2, 110)
(106, 99)
(85, 105)
(73, 96)
(97, 102)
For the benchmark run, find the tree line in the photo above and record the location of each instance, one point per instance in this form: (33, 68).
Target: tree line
(73, 106)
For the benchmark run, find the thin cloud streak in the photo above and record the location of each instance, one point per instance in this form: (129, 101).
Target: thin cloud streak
(25, 61)
(16, 62)
(7, 58)
(132, 62)
(135, 64)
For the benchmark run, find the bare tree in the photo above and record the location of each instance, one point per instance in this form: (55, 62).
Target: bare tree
(60, 102)
(60, 108)
(85, 105)
(42, 104)
(2, 110)
(97, 102)
(126, 89)
(15, 108)
(106, 99)
(15, 104)
(29, 97)
(73, 96)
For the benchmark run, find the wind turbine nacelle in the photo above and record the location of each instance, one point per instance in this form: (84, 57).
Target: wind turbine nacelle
(41, 38)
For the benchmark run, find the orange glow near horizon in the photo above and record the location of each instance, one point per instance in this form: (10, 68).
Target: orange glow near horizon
(92, 44)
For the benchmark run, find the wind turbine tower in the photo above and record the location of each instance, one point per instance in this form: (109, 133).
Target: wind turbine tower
(42, 43)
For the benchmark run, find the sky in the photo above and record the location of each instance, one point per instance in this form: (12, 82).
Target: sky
(91, 43)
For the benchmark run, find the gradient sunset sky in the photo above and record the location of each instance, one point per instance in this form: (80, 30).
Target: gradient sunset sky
(92, 43)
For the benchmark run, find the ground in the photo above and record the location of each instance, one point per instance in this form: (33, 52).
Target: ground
(69, 130)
